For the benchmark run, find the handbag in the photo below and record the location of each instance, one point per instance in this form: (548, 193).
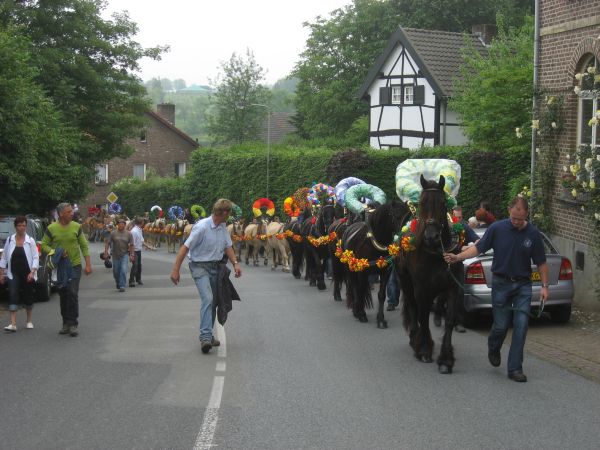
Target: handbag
(108, 263)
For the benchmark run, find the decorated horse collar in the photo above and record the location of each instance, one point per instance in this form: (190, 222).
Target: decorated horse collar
(407, 237)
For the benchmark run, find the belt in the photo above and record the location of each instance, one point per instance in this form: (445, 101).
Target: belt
(206, 262)
(513, 279)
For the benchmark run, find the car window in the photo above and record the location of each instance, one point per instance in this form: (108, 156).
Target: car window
(6, 229)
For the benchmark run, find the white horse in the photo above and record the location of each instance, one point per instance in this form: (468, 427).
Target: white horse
(255, 237)
(236, 232)
(277, 246)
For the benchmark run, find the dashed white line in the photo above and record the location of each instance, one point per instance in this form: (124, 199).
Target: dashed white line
(220, 366)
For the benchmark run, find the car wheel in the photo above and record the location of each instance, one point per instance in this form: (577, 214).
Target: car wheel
(560, 314)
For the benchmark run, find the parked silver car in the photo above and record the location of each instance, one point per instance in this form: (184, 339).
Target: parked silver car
(478, 284)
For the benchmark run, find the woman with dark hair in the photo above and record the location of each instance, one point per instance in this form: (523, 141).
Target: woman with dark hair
(484, 215)
(19, 263)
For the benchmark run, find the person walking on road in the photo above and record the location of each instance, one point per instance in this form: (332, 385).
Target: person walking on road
(66, 237)
(138, 244)
(19, 263)
(122, 251)
(516, 243)
(208, 241)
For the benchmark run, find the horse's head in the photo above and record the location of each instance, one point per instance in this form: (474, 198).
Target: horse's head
(326, 218)
(433, 228)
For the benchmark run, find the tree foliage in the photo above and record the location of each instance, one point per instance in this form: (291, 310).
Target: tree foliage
(38, 153)
(341, 49)
(84, 65)
(235, 116)
(494, 96)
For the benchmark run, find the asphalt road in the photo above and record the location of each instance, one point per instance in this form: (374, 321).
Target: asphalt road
(294, 371)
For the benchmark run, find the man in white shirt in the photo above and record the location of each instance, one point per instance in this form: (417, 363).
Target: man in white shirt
(138, 244)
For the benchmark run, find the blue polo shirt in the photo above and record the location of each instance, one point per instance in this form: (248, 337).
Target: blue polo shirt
(514, 249)
(207, 241)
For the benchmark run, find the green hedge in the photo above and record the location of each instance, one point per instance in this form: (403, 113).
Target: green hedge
(240, 174)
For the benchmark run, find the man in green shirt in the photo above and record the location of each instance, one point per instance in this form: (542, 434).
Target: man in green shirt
(67, 235)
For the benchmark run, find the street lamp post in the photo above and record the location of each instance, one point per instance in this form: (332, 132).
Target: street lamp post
(268, 139)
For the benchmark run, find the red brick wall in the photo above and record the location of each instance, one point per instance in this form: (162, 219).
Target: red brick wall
(162, 149)
(560, 59)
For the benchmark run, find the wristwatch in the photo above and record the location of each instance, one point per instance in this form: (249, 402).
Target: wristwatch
(545, 285)
(235, 262)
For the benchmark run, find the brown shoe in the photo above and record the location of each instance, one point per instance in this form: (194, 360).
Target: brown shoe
(519, 377)
(215, 342)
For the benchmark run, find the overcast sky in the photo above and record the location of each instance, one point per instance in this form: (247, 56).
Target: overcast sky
(203, 33)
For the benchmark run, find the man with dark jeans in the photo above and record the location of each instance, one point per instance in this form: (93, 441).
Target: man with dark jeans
(66, 234)
(392, 291)
(138, 244)
(516, 243)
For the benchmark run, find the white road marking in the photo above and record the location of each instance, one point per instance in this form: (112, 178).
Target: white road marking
(211, 415)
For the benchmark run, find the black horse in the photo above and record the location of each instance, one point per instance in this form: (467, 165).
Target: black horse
(339, 270)
(370, 240)
(295, 241)
(424, 275)
(317, 255)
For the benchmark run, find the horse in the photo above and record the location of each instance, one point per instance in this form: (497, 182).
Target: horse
(315, 239)
(292, 231)
(338, 269)
(236, 232)
(424, 275)
(369, 240)
(174, 233)
(155, 230)
(254, 234)
(277, 247)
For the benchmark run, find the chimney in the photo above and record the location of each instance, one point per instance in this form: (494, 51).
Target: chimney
(166, 111)
(485, 32)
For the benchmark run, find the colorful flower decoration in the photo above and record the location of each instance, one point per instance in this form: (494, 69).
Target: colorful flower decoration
(115, 208)
(263, 203)
(291, 207)
(175, 212)
(197, 211)
(321, 194)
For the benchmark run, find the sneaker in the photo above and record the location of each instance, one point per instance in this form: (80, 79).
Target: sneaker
(206, 346)
(215, 342)
(519, 377)
(391, 307)
(64, 330)
(73, 331)
(131, 284)
(29, 325)
(10, 328)
(121, 289)
(140, 283)
(494, 358)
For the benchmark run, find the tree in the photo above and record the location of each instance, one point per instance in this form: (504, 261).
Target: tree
(85, 65)
(39, 161)
(235, 118)
(494, 96)
(340, 50)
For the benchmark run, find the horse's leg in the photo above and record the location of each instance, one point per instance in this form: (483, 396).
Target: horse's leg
(338, 276)
(320, 265)
(446, 358)
(360, 293)
(424, 342)
(384, 276)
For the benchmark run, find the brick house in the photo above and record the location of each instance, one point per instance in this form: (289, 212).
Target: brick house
(161, 148)
(569, 43)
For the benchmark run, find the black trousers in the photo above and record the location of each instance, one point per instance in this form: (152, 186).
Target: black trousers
(136, 268)
(69, 299)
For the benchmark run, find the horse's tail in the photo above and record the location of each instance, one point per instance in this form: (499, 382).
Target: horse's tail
(405, 316)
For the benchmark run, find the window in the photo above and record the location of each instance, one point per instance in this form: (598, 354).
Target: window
(143, 135)
(409, 94)
(139, 171)
(588, 104)
(396, 95)
(180, 169)
(101, 173)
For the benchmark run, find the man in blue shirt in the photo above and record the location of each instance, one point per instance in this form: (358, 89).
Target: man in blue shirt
(516, 243)
(208, 241)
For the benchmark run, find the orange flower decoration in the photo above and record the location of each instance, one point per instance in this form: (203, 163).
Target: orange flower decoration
(381, 262)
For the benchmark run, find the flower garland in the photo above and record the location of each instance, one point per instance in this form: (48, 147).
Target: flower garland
(291, 207)
(323, 240)
(360, 264)
(320, 194)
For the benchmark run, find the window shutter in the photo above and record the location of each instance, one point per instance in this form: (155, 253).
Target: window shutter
(419, 95)
(385, 96)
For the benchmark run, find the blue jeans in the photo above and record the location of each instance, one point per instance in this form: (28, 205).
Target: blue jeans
(517, 295)
(393, 289)
(205, 277)
(69, 298)
(120, 267)
(19, 282)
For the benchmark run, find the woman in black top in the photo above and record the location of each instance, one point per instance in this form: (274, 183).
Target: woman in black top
(19, 263)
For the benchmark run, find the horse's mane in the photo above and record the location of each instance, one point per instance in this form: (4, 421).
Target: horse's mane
(432, 206)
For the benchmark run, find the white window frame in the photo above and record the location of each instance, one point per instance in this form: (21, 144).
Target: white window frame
(587, 96)
(396, 95)
(181, 169)
(103, 168)
(409, 94)
(143, 178)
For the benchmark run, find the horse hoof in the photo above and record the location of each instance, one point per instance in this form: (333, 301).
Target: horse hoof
(312, 283)
(297, 277)
(273, 268)
(337, 298)
(444, 369)
(266, 262)
(426, 359)
(363, 319)
(382, 324)
(321, 287)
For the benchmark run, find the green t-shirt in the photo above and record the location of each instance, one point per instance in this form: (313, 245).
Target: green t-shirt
(68, 237)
